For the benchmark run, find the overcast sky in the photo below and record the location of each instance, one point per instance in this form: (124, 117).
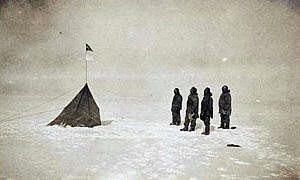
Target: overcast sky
(256, 41)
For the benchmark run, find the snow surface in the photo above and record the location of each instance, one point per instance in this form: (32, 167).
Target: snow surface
(138, 143)
(142, 51)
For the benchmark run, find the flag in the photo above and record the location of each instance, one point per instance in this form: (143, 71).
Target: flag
(88, 48)
(89, 53)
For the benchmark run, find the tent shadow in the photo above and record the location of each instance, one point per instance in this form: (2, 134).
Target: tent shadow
(106, 123)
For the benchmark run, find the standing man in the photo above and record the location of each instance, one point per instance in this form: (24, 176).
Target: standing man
(191, 110)
(206, 110)
(225, 107)
(176, 107)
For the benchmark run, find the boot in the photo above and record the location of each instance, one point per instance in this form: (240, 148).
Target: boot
(205, 133)
(184, 129)
(192, 129)
(226, 125)
(222, 125)
(207, 128)
(172, 124)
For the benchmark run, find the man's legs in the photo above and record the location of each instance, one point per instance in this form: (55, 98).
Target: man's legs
(173, 118)
(207, 125)
(222, 121)
(193, 124)
(206, 122)
(186, 123)
(178, 118)
(226, 121)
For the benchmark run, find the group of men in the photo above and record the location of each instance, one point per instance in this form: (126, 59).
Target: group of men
(206, 113)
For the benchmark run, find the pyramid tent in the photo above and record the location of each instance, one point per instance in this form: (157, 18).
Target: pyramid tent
(82, 111)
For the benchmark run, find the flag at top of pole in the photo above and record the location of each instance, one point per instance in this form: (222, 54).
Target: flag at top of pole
(88, 53)
(88, 48)
(88, 57)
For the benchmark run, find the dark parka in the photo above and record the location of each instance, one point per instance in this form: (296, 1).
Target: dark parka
(177, 102)
(225, 102)
(207, 105)
(193, 103)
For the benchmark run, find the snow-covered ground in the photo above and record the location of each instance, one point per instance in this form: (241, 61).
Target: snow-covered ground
(136, 142)
(142, 51)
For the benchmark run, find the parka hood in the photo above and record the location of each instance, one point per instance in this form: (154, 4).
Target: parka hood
(176, 91)
(194, 91)
(225, 89)
(207, 92)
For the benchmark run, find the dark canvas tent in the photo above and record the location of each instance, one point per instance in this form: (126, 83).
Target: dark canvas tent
(82, 111)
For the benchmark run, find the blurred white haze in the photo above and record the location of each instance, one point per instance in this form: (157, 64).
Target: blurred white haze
(142, 51)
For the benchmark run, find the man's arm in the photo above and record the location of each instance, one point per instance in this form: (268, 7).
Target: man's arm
(211, 108)
(227, 102)
(180, 102)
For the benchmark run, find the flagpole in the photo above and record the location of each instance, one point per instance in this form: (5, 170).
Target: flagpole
(87, 48)
(85, 70)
